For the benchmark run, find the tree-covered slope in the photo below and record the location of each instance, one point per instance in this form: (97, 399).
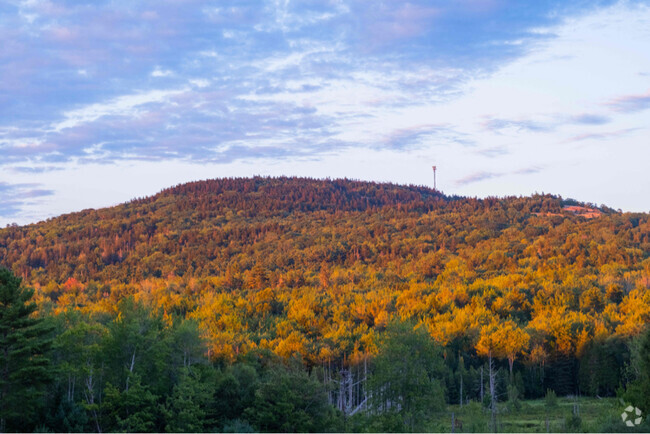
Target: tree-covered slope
(319, 267)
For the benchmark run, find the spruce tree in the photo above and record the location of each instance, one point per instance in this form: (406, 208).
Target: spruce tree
(638, 391)
(406, 383)
(186, 407)
(24, 342)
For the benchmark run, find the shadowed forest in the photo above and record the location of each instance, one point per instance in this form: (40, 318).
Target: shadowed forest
(292, 304)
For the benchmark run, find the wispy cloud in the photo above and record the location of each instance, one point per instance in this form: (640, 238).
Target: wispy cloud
(404, 138)
(477, 177)
(590, 119)
(34, 169)
(480, 176)
(601, 135)
(630, 103)
(171, 80)
(75, 61)
(493, 152)
(394, 20)
(161, 73)
(222, 82)
(528, 170)
(125, 106)
(13, 197)
(518, 125)
(545, 124)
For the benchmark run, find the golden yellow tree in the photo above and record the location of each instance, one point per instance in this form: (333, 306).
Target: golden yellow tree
(503, 340)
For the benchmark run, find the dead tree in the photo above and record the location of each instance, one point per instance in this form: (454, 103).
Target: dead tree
(493, 395)
(348, 392)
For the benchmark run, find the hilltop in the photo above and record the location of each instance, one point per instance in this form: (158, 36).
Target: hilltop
(92, 243)
(319, 267)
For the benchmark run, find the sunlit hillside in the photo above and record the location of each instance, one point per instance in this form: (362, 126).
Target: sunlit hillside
(320, 267)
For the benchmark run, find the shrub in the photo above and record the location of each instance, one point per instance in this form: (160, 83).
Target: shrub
(551, 399)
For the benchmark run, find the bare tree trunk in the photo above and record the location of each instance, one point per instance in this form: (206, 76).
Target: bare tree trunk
(68, 395)
(350, 399)
(365, 380)
(329, 381)
(358, 389)
(90, 398)
(493, 396)
(461, 390)
(511, 361)
(130, 370)
(482, 396)
(341, 393)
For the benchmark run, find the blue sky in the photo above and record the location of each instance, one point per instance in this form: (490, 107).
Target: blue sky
(101, 102)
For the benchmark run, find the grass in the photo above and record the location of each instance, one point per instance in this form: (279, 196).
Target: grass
(595, 415)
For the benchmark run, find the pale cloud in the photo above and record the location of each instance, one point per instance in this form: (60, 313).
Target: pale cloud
(493, 152)
(123, 106)
(200, 82)
(605, 135)
(395, 20)
(484, 176)
(477, 177)
(630, 103)
(590, 119)
(498, 94)
(14, 197)
(161, 73)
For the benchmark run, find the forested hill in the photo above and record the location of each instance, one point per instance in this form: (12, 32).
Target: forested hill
(318, 267)
(188, 224)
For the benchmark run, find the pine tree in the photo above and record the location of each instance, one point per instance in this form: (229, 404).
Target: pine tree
(406, 384)
(186, 407)
(24, 342)
(132, 410)
(289, 400)
(638, 391)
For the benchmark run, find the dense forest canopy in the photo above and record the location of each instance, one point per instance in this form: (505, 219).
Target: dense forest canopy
(320, 267)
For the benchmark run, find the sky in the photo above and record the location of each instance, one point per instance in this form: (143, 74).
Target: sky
(105, 101)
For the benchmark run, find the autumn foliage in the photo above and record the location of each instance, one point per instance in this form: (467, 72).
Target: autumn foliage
(320, 267)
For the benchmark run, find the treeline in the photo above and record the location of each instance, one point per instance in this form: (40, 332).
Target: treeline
(320, 268)
(140, 371)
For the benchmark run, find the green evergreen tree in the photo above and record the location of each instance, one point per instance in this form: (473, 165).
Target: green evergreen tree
(235, 389)
(289, 400)
(77, 356)
(514, 401)
(601, 366)
(638, 392)
(139, 342)
(406, 380)
(187, 347)
(132, 410)
(227, 392)
(186, 407)
(24, 365)
(67, 416)
(138, 369)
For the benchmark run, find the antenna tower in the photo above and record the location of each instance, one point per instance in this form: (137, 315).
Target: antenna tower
(434, 178)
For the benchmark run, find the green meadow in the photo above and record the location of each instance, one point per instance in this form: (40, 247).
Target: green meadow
(569, 414)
